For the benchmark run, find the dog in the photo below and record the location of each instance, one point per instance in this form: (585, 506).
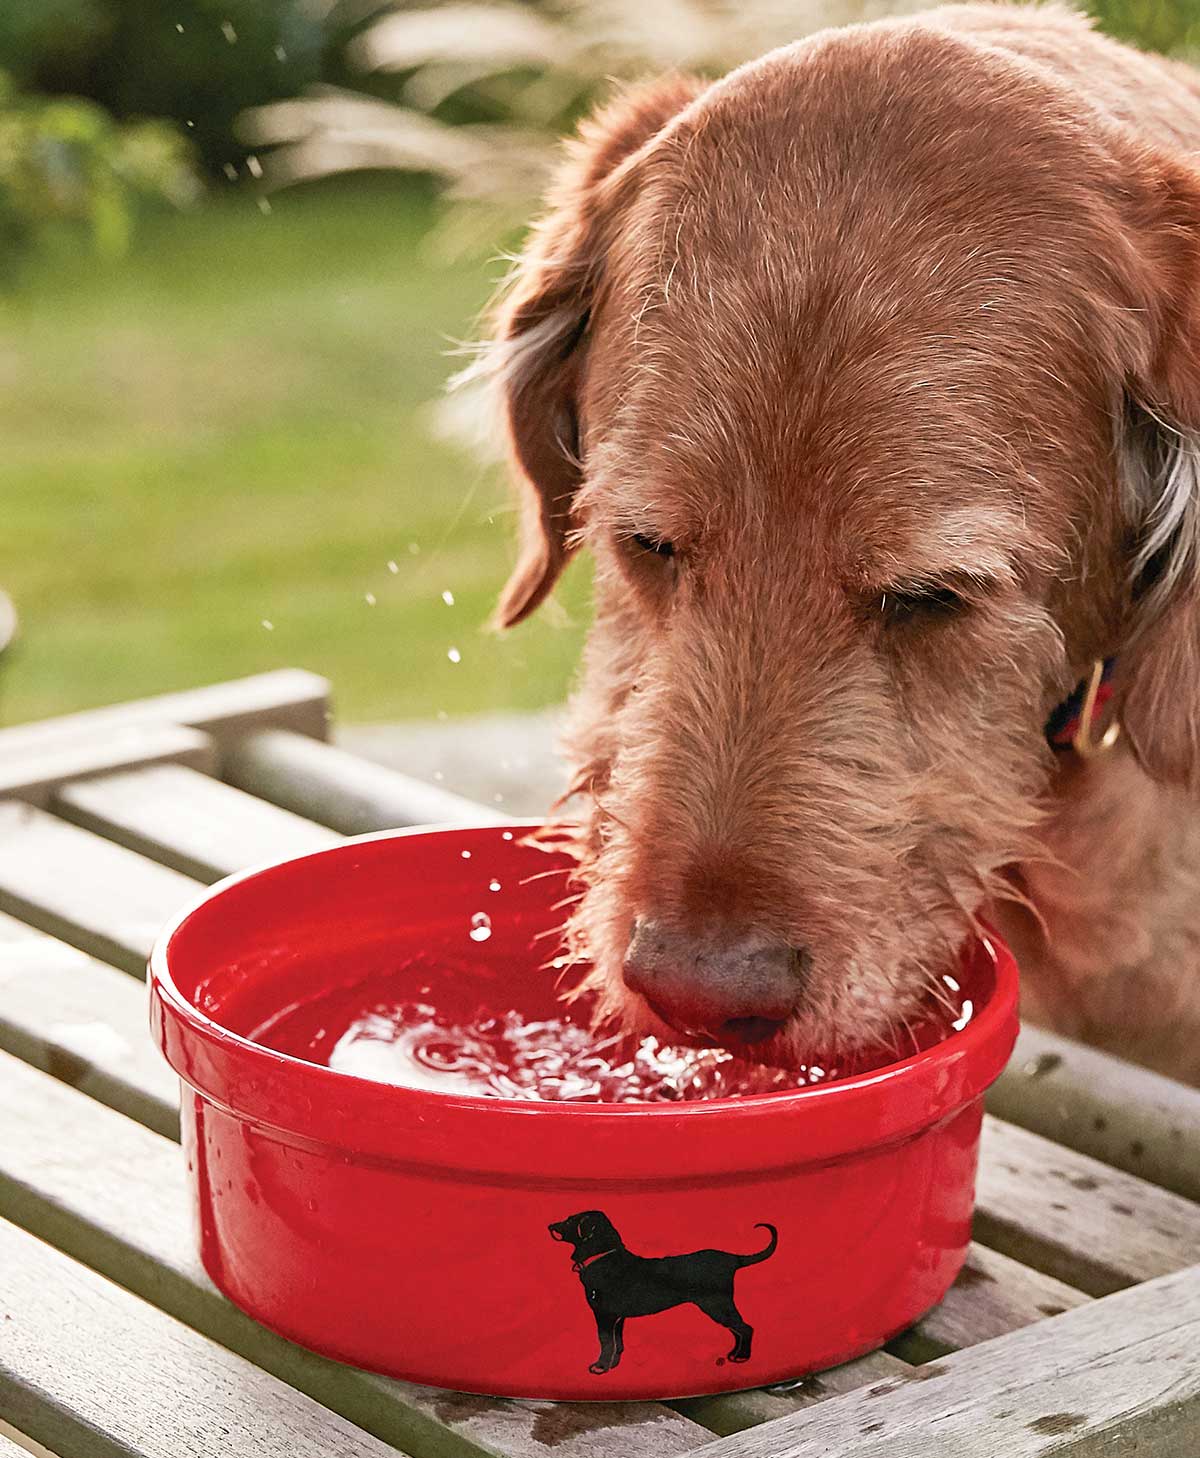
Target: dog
(619, 1284)
(870, 376)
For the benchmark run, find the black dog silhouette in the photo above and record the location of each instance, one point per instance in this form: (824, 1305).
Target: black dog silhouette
(619, 1284)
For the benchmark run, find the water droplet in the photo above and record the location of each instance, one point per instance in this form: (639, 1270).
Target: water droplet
(493, 885)
(393, 566)
(442, 716)
(454, 656)
(481, 927)
(950, 983)
(230, 171)
(269, 625)
(466, 855)
(311, 1206)
(253, 166)
(280, 53)
(228, 32)
(448, 598)
(413, 548)
(369, 598)
(179, 27)
(506, 835)
(264, 205)
(189, 123)
(967, 1010)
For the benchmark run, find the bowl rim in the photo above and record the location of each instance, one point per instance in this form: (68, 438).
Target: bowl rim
(234, 1072)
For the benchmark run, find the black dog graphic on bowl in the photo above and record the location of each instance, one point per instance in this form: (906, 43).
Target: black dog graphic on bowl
(619, 1284)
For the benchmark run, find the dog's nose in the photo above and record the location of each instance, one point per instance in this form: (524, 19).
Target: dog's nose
(734, 987)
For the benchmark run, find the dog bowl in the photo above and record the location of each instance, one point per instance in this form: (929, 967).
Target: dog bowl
(533, 1249)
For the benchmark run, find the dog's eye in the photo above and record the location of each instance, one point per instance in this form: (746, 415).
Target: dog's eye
(655, 545)
(926, 601)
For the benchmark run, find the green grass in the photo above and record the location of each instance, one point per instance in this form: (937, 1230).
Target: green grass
(231, 426)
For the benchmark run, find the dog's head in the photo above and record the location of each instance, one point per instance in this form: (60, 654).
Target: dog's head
(870, 376)
(589, 1232)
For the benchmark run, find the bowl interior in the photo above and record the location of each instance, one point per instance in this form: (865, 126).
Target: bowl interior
(288, 957)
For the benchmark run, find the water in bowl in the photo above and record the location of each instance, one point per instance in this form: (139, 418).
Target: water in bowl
(394, 1028)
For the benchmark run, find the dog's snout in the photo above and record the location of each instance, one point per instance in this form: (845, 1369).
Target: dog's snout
(736, 987)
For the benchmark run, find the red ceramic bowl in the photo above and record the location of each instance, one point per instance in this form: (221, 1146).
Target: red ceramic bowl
(410, 1231)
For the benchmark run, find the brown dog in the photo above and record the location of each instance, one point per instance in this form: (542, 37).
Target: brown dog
(871, 377)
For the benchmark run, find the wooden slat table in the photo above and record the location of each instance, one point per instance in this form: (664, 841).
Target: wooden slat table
(1073, 1329)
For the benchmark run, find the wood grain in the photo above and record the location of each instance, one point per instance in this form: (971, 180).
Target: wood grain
(32, 771)
(1114, 1377)
(994, 1294)
(134, 1225)
(289, 698)
(188, 821)
(339, 789)
(1092, 1226)
(1099, 1105)
(84, 890)
(85, 1023)
(87, 1368)
(18, 1445)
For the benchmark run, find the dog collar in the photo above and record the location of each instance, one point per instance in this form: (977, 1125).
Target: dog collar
(592, 1259)
(1076, 721)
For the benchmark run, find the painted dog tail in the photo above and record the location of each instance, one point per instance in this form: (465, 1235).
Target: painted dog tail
(767, 1250)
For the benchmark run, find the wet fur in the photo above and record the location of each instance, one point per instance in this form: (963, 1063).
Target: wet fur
(910, 301)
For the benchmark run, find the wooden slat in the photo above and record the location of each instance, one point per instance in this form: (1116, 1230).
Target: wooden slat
(1092, 1226)
(1114, 1377)
(1124, 1115)
(288, 698)
(188, 821)
(32, 772)
(17, 1445)
(734, 1412)
(339, 789)
(85, 890)
(114, 1195)
(84, 1023)
(994, 1294)
(87, 1368)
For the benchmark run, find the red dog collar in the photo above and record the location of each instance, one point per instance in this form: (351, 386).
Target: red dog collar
(590, 1260)
(1066, 729)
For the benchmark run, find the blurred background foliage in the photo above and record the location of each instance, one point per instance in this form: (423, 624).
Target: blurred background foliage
(215, 384)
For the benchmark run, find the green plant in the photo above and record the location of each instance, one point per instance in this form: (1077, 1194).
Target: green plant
(68, 168)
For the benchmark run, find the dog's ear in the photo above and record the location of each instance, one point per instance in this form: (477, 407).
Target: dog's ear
(1159, 659)
(541, 328)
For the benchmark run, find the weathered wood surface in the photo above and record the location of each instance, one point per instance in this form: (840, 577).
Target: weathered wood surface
(734, 1412)
(134, 1226)
(288, 697)
(188, 821)
(339, 789)
(1114, 1377)
(83, 889)
(994, 1294)
(1126, 1116)
(180, 727)
(85, 1023)
(19, 1445)
(1095, 1227)
(86, 1368)
(30, 772)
